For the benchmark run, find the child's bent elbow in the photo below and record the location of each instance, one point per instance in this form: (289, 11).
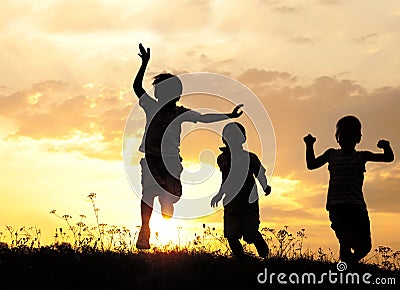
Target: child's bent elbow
(390, 159)
(139, 91)
(311, 166)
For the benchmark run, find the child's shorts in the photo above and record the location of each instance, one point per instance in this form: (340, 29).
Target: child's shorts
(242, 222)
(351, 224)
(157, 179)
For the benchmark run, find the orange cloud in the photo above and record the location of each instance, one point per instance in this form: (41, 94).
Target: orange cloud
(56, 110)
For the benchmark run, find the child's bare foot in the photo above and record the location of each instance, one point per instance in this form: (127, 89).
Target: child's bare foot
(143, 239)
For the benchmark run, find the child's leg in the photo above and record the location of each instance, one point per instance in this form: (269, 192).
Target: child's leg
(340, 218)
(361, 252)
(149, 190)
(146, 210)
(362, 234)
(255, 237)
(251, 221)
(233, 230)
(168, 179)
(146, 205)
(261, 245)
(167, 202)
(236, 247)
(345, 252)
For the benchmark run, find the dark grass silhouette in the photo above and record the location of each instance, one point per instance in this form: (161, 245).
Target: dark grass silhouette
(61, 267)
(104, 257)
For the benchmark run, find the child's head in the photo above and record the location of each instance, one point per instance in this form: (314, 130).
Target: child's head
(167, 88)
(233, 134)
(348, 132)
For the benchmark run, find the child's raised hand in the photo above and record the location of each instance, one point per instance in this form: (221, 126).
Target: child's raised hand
(267, 190)
(309, 139)
(144, 54)
(383, 143)
(235, 113)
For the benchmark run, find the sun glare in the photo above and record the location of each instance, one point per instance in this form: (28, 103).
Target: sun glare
(165, 231)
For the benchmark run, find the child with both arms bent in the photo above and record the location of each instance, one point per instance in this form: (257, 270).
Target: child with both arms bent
(347, 209)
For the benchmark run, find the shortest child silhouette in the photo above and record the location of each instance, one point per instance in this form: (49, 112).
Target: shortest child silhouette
(241, 209)
(345, 203)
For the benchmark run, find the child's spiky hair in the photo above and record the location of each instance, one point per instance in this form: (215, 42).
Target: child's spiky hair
(162, 77)
(167, 87)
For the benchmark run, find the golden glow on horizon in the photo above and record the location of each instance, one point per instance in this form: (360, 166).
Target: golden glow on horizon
(165, 231)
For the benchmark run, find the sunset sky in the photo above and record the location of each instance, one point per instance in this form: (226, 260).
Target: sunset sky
(66, 71)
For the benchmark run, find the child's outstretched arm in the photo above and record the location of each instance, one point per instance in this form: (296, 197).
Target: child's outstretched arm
(138, 82)
(386, 156)
(312, 161)
(210, 118)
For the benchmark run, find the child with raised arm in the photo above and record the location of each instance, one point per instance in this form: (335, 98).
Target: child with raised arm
(241, 209)
(161, 166)
(347, 209)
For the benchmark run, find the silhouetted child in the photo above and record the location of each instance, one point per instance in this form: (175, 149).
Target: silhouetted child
(241, 209)
(347, 209)
(161, 166)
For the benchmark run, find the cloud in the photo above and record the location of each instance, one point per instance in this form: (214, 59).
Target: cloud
(35, 99)
(82, 17)
(300, 39)
(282, 6)
(260, 77)
(286, 9)
(331, 2)
(119, 16)
(204, 58)
(58, 111)
(368, 38)
(331, 88)
(279, 214)
(381, 187)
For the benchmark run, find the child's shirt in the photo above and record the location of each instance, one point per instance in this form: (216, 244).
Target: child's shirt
(238, 180)
(162, 133)
(346, 178)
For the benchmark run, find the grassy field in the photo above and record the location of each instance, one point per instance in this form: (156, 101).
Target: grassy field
(104, 257)
(61, 267)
